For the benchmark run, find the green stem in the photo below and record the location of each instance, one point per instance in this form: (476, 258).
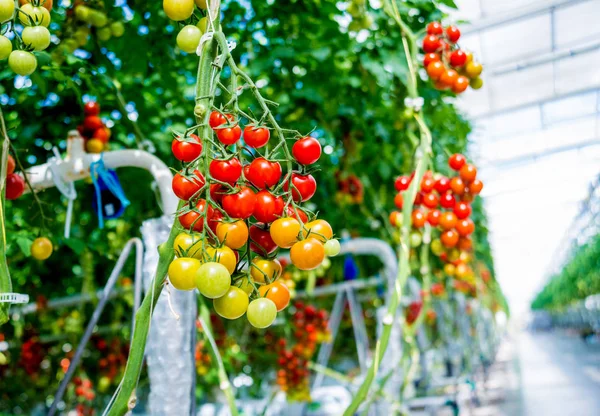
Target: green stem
(124, 400)
(5, 282)
(422, 158)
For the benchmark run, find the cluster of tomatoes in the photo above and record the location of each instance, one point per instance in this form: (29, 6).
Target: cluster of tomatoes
(310, 327)
(448, 66)
(189, 36)
(444, 203)
(249, 213)
(114, 356)
(350, 189)
(84, 388)
(34, 15)
(203, 359)
(93, 129)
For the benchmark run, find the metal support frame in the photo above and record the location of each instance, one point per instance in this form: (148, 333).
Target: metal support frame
(106, 294)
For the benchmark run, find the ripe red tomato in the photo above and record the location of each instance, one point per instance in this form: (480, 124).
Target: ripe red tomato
(240, 204)
(263, 173)
(413, 311)
(430, 200)
(442, 185)
(457, 161)
(307, 150)
(256, 137)
(465, 227)
(437, 289)
(261, 241)
(289, 212)
(460, 85)
(427, 185)
(399, 200)
(433, 217)
(92, 123)
(229, 135)
(462, 210)
(447, 200)
(468, 173)
(418, 198)
(402, 183)
(193, 219)
(429, 58)
(226, 170)
(475, 187)
(268, 207)
(186, 187)
(102, 134)
(10, 165)
(465, 243)
(91, 108)
(435, 70)
(457, 185)
(448, 220)
(216, 119)
(453, 33)
(458, 58)
(15, 186)
(435, 28)
(449, 238)
(431, 43)
(214, 221)
(305, 187)
(187, 150)
(449, 77)
(418, 218)
(217, 191)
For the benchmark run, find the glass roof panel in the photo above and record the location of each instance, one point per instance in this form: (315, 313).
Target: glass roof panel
(524, 38)
(578, 72)
(570, 107)
(490, 7)
(577, 22)
(521, 87)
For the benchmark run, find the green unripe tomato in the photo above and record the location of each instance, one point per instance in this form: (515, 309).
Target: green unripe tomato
(332, 247)
(7, 10)
(233, 304)
(38, 37)
(213, 280)
(188, 38)
(202, 24)
(261, 312)
(83, 13)
(22, 62)
(117, 29)
(98, 18)
(5, 47)
(70, 45)
(104, 34)
(39, 15)
(415, 239)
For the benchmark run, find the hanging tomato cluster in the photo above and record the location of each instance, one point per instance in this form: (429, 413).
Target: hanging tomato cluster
(310, 327)
(350, 188)
(187, 11)
(448, 66)
(34, 16)
(15, 184)
(93, 129)
(251, 209)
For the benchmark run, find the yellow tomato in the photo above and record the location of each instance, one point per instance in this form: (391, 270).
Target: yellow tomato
(284, 231)
(41, 248)
(473, 69)
(449, 269)
(182, 273)
(178, 9)
(319, 230)
(234, 234)
(264, 267)
(94, 146)
(223, 255)
(188, 245)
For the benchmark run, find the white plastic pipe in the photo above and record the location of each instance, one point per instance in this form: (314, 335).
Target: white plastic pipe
(76, 166)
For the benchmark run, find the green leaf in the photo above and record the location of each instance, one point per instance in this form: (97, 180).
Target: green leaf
(76, 245)
(449, 3)
(24, 244)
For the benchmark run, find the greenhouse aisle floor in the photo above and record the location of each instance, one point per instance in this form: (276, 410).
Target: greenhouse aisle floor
(550, 373)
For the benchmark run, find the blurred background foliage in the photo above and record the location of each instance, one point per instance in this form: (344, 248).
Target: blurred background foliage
(339, 76)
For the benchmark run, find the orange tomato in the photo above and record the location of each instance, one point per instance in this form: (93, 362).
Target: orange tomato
(284, 231)
(448, 220)
(449, 238)
(278, 292)
(318, 229)
(264, 267)
(234, 235)
(457, 185)
(307, 254)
